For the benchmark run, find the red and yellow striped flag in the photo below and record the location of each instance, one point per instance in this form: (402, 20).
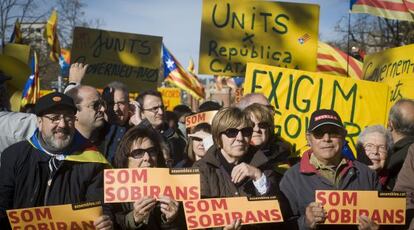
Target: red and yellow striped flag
(332, 60)
(52, 36)
(391, 9)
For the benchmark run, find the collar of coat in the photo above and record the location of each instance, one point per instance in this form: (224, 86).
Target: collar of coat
(307, 167)
(255, 159)
(81, 150)
(408, 140)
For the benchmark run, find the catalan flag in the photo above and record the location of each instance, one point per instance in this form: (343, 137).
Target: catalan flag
(31, 89)
(334, 61)
(391, 9)
(16, 36)
(52, 36)
(176, 74)
(64, 62)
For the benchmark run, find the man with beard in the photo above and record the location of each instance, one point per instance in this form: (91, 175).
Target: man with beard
(56, 166)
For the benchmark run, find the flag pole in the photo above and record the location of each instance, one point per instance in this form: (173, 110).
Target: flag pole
(348, 51)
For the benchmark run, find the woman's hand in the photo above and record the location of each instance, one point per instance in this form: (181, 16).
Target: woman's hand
(103, 223)
(236, 225)
(143, 207)
(244, 170)
(169, 207)
(365, 223)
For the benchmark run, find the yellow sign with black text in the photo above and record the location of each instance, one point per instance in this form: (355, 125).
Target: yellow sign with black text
(274, 33)
(296, 94)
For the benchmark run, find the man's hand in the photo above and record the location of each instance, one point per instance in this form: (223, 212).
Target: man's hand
(103, 223)
(135, 113)
(244, 170)
(77, 72)
(314, 214)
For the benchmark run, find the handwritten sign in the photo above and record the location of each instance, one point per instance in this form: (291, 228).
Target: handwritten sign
(126, 185)
(389, 64)
(207, 213)
(296, 94)
(171, 97)
(195, 119)
(344, 207)
(400, 88)
(67, 216)
(133, 59)
(274, 33)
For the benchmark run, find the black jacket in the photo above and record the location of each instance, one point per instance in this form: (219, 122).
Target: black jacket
(24, 177)
(395, 161)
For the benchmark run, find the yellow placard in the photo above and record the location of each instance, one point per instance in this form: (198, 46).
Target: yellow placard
(171, 97)
(296, 94)
(133, 59)
(344, 207)
(18, 51)
(208, 213)
(274, 33)
(388, 64)
(126, 185)
(400, 88)
(195, 119)
(68, 216)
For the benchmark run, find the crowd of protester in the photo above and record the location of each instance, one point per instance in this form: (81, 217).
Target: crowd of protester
(57, 154)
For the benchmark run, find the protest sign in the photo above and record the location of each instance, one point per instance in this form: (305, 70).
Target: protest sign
(171, 97)
(400, 88)
(296, 94)
(388, 64)
(133, 59)
(68, 216)
(275, 33)
(126, 185)
(195, 119)
(344, 207)
(218, 212)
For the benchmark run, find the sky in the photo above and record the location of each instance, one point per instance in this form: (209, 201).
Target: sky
(179, 21)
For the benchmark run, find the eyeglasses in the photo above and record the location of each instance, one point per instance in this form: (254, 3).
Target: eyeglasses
(233, 132)
(97, 105)
(155, 109)
(333, 132)
(139, 153)
(263, 125)
(375, 148)
(55, 119)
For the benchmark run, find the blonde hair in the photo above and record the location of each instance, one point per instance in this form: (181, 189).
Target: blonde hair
(225, 118)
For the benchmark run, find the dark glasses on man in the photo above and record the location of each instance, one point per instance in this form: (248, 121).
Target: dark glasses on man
(233, 132)
(334, 132)
(139, 153)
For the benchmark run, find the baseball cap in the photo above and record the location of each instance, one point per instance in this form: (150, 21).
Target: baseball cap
(54, 100)
(324, 117)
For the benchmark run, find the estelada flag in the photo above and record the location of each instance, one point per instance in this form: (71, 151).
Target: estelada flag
(391, 9)
(31, 91)
(332, 60)
(176, 74)
(52, 36)
(16, 36)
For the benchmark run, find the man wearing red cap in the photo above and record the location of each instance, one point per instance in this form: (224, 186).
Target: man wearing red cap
(324, 167)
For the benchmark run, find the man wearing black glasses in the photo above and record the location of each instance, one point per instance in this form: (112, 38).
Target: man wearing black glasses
(324, 167)
(57, 165)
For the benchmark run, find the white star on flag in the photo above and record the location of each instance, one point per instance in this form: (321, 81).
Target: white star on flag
(170, 63)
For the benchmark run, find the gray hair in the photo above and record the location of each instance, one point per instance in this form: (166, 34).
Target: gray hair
(117, 85)
(375, 129)
(400, 123)
(248, 99)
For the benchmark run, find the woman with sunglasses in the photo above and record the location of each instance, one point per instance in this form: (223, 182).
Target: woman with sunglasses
(264, 137)
(196, 148)
(139, 148)
(230, 169)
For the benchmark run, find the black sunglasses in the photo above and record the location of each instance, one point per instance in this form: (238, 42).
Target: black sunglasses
(139, 153)
(263, 125)
(334, 132)
(233, 132)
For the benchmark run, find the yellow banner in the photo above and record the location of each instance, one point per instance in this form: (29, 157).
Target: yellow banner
(218, 212)
(133, 59)
(171, 97)
(274, 33)
(296, 94)
(68, 216)
(195, 119)
(388, 64)
(126, 185)
(344, 207)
